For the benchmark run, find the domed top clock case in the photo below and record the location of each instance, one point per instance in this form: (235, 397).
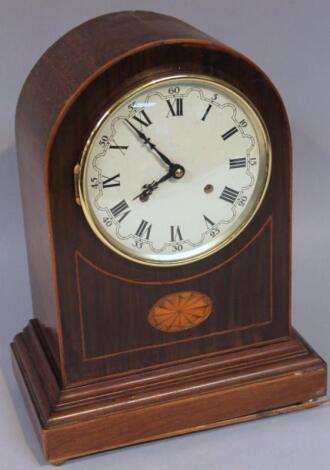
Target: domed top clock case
(155, 167)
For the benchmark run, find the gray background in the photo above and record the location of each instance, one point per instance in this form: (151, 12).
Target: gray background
(290, 40)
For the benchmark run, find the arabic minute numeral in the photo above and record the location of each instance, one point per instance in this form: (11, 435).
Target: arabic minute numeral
(104, 140)
(138, 243)
(214, 232)
(107, 221)
(131, 106)
(94, 182)
(178, 247)
(173, 90)
(242, 201)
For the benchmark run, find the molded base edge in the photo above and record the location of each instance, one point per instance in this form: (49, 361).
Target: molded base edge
(262, 380)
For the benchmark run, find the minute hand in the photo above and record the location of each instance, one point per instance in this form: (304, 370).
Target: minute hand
(151, 145)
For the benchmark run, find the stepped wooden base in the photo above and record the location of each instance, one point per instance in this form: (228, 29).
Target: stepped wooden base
(234, 386)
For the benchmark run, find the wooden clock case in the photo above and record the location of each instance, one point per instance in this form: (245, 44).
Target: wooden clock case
(95, 373)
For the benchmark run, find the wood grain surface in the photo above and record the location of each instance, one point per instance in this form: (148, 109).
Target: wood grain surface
(79, 307)
(221, 389)
(96, 373)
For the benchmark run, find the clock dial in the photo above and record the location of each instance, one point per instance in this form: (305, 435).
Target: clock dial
(175, 170)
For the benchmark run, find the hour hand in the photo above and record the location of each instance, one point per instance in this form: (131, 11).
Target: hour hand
(176, 171)
(149, 188)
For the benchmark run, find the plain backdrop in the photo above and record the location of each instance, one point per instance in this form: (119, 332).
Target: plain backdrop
(290, 41)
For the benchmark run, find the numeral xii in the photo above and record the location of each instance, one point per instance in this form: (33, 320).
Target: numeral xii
(176, 108)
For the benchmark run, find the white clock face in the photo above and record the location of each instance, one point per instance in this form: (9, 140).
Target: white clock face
(175, 170)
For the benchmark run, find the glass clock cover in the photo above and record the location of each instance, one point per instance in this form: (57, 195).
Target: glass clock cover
(175, 170)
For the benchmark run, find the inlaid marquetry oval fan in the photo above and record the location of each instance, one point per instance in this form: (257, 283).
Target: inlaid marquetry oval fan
(180, 311)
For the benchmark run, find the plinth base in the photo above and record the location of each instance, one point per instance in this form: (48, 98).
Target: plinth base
(235, 386)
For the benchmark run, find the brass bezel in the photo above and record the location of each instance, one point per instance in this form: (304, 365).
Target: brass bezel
(263, 137)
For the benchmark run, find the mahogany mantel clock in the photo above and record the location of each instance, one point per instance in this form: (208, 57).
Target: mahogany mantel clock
(155, 166)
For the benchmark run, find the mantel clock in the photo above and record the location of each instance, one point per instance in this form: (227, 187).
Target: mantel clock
(155, 167)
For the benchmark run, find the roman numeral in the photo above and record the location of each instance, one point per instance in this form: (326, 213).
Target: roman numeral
(119, 147)
(176, 109)
(211, 227)
(237, 163)
(206, 112)
(229, 195)
(111, 182)
(143, 118)
(115, 146)
(175, 233)
(209, 223)
(119, 210)
(144, 230)
(229, 133)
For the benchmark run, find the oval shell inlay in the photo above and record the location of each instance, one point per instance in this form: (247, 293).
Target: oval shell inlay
(180, 311)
